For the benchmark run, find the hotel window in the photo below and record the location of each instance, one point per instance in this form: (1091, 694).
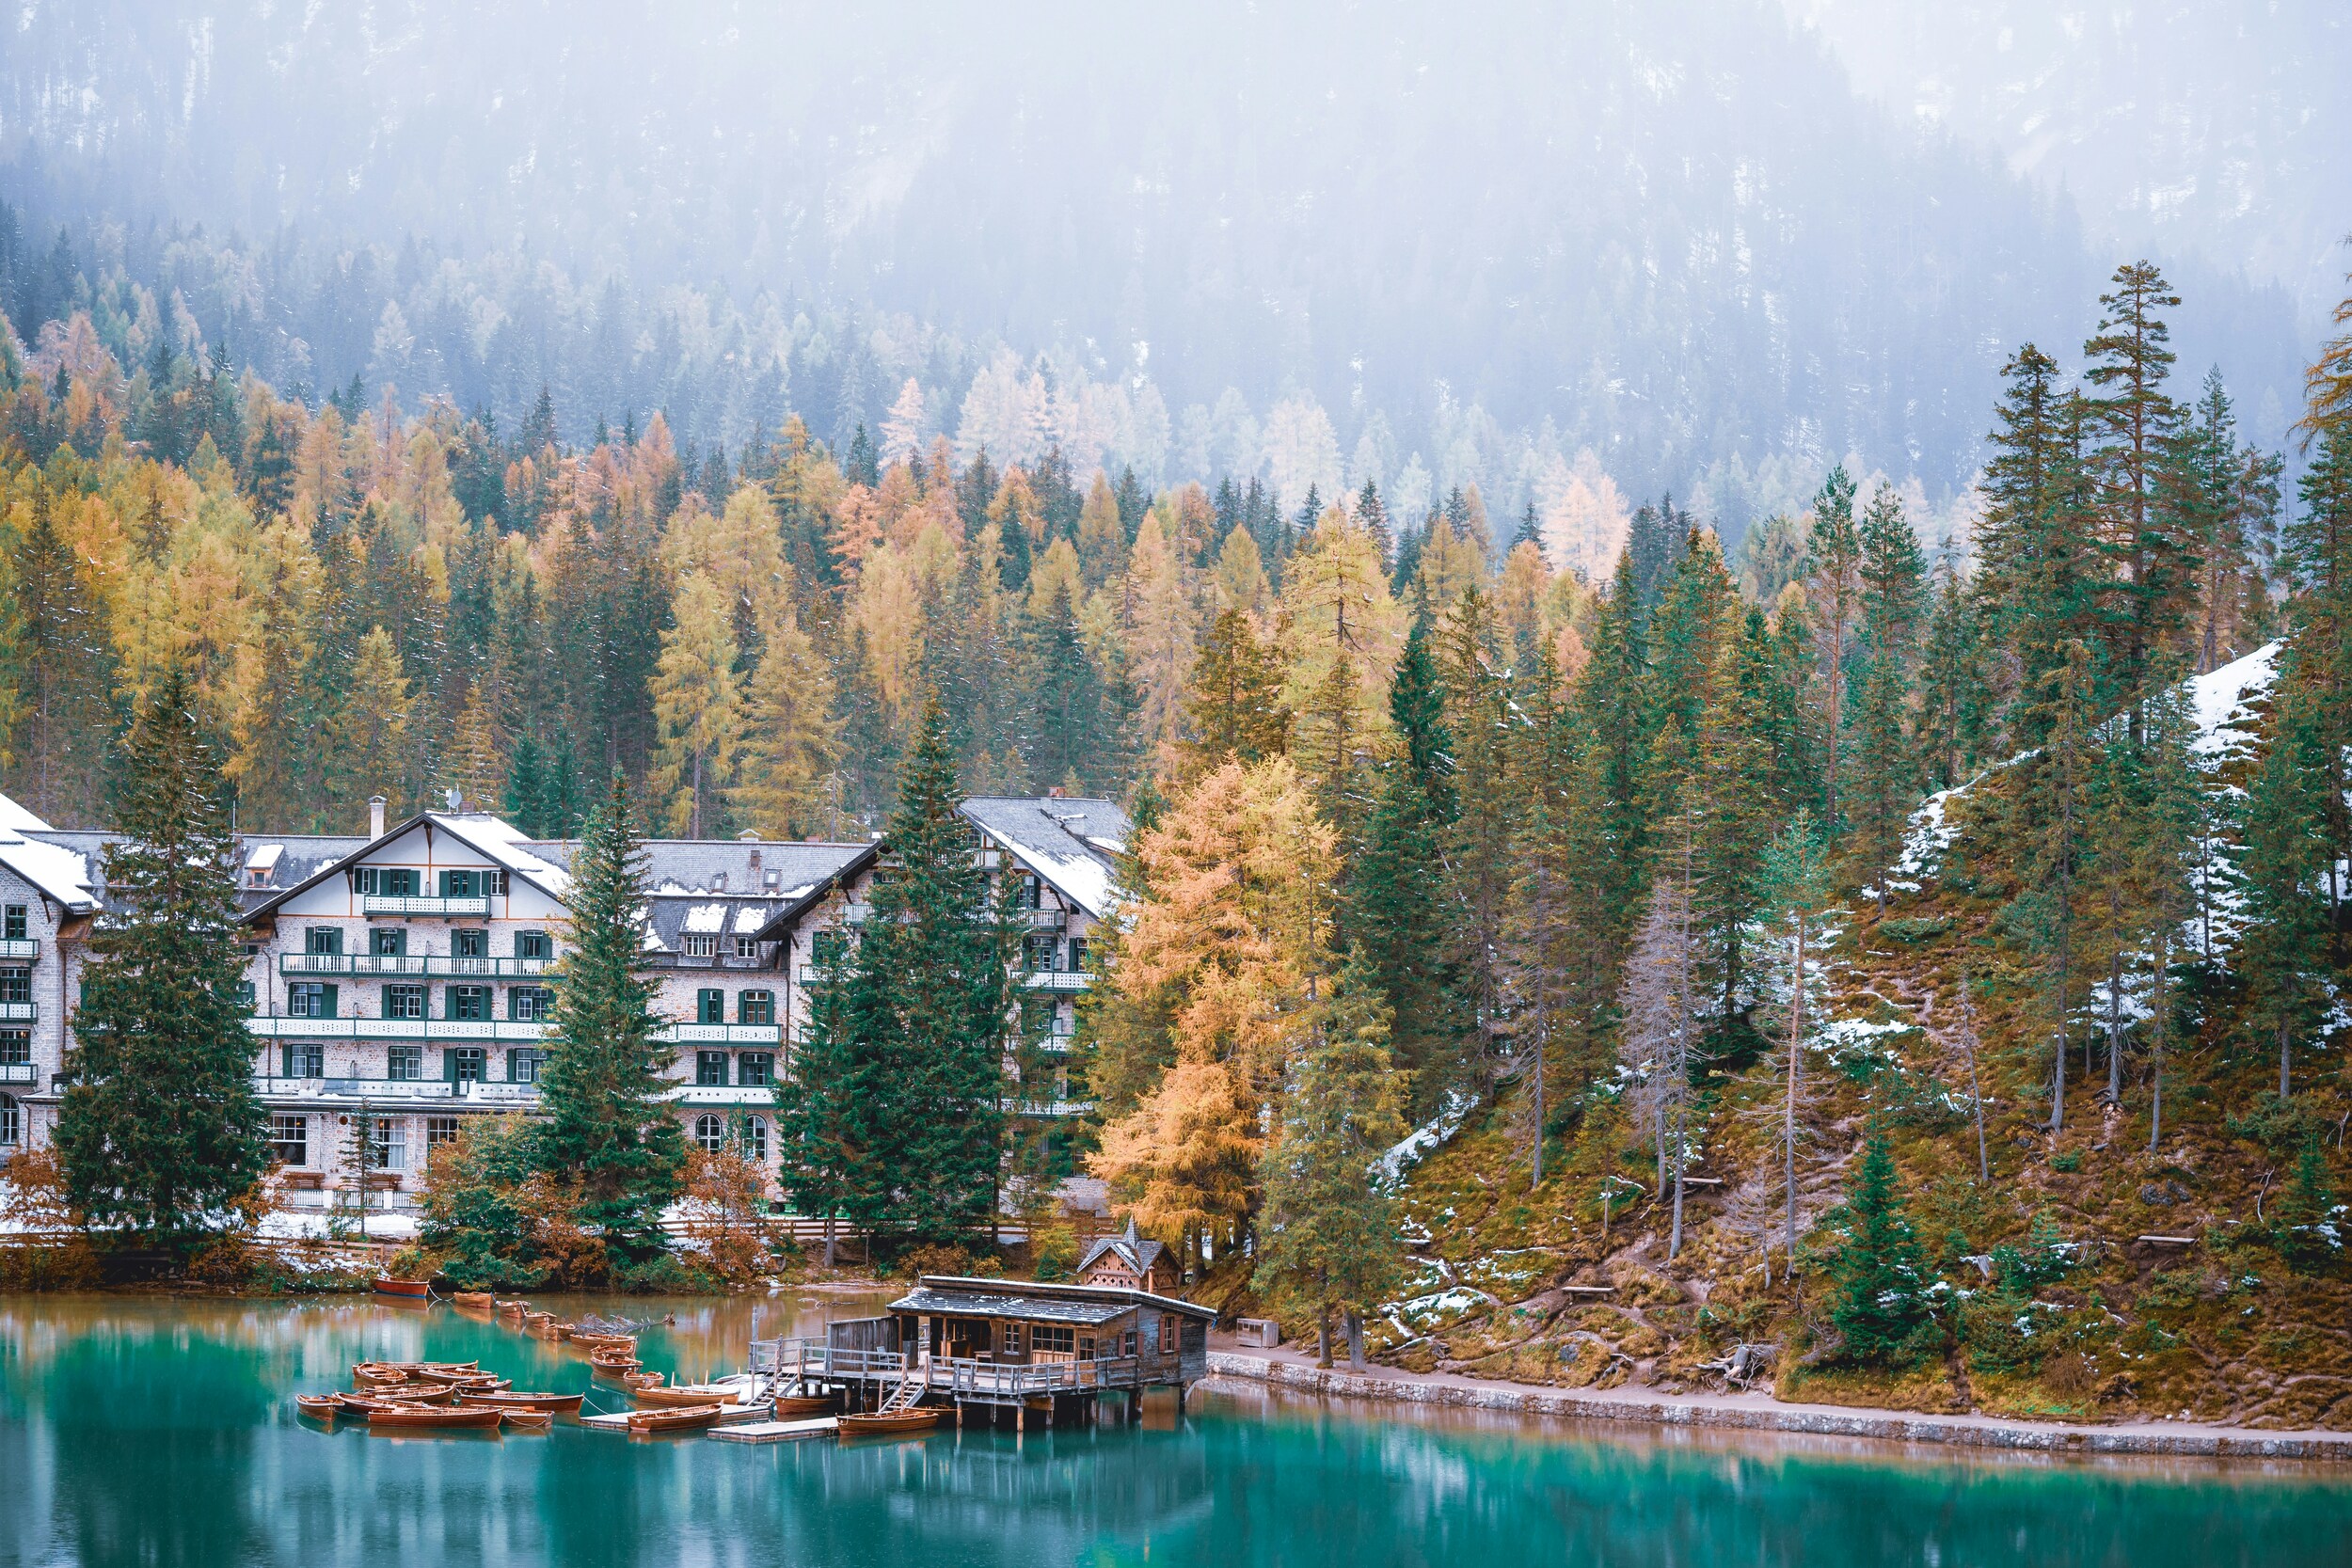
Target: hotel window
(438, 1131)
(755, 1138)
(746, 947)
(472, 884)
(304, 1061)
(533, 944)
(324, 940)
(710, 1005)
(1040, 951)
(388, 941)
(528, 1003)
(826, 949)
(710, 1133)
(12, 1121)
(16, 983)
(757, 1007)
(1077, 952)
(389, 881)
(710, 1069)
(390, 1148)
(310, 999)
(470, 1004)
(465, 1064)
(698, 944)
(290, 1139)
(405, 1063)
(16, 1047)
(15, 927)
(403, 1002)
(522, 1067)
(469, 945)
(754, 1068)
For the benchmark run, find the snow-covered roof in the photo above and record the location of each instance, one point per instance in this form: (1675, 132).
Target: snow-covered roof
(263, 855)
(16, 819)
(1072, 841)
(707, 917)
(60, 873)
(505, 845)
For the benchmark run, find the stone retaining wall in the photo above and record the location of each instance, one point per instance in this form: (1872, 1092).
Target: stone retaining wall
(1812, 1420)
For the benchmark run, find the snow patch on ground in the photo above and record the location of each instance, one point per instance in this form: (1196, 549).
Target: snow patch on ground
(1423, 1140)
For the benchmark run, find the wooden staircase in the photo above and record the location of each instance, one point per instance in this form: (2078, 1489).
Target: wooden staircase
(905, 1397)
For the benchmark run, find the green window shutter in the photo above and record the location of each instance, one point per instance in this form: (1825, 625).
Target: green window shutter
(285, 1061)
(449, 1066)
(327, 1002)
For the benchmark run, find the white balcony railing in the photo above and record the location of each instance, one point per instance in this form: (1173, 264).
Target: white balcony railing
(20, 1072)
(1059, 979)
(18, 1012)
(455, 1031)
(20, 947)
(392, 1091)
(412, 963)
(426, 904)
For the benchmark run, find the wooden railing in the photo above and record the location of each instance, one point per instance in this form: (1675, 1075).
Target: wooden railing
(967, 1377)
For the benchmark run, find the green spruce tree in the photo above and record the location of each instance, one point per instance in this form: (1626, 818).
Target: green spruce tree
(1879, 1298)
(159, 1129)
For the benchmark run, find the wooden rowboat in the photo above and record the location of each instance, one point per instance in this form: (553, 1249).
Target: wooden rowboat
(690, 1418)
(527, 1420)
(622, 1344)
(364, 1404)
(642, 1381)
(917, 1419)
(476, 1418)
(324, 1407)
(412, 1290)
(477, 1301)
(792, 1406)
(403, 1368)
(553, 1405)
(688, 1394)
(512, 1308)
(617, 1360)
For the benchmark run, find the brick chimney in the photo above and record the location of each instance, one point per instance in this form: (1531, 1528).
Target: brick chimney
(376, 816)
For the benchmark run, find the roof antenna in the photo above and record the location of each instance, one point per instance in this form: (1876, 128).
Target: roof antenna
(456, 800)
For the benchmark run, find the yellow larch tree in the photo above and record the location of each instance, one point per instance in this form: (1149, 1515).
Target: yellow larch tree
(697, 701)
(1339, 638)
(789, 733)
(1220, 971)
(1162, 634)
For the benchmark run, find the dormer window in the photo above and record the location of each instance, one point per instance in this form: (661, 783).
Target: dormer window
(697, 944)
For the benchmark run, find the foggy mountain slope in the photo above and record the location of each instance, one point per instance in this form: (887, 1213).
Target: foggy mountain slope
(1670, 237)
(2222, 129)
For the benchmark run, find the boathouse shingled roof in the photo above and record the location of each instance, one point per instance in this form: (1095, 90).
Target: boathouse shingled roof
(1135, 1251)
(1034, 1300)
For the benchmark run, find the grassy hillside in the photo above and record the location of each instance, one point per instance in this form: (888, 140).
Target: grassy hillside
(2047, 1300)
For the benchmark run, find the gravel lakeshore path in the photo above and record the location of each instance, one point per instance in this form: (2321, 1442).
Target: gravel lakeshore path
(1285, 1368)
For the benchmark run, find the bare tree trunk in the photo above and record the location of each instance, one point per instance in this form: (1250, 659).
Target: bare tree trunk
(1322, 1337)
(831, 1221)
(2157, 1033)
(2115, 1027)
(1788, 1104)
(2282, 1061)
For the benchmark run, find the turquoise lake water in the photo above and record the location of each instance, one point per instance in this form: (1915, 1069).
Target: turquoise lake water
(162, 1432)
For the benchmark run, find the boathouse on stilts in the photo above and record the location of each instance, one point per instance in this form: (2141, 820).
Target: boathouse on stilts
(1011, 1351)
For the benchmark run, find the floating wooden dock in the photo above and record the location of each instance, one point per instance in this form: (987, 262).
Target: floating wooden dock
(618, 1421)
(778, 1432)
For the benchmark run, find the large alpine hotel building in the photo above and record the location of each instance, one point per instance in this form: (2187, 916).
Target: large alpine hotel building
(401, 982)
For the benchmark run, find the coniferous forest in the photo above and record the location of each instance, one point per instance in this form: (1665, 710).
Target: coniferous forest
(1877, 931)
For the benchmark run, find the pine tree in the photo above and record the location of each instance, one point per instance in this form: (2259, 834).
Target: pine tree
(912, 1025)
(2284, 952)
(2308, 1229)
(1234, 701)
(1879, 1301)
(1833, 570)
(472, 764)
(1476, 864)
(607, 1124)
(1396, 917)
(2154, 558)
(368, 739)
(68, 669)
(1328, 1240)
(159, 1128)
(1886, 765)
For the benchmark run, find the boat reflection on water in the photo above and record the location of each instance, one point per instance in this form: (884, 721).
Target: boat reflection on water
(162, 1432)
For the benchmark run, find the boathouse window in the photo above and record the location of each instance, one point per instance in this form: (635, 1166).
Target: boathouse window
(15, 927)
(405, 1063)
(1130, 1348)
(710, 1069)
(323, 940)
(710, 1133)
(403, 1002)
(756, 1067)
(710, 1005)
(757, 1007)
(469, 945)
(310, 999)
(533, 944)
(16, 1047)
(290, 1139)
(1012, 1340)
(528, 1003)
(438, 1131)
(1046, 1340)
(470, 1004)
(390, 1150)
(389, 941)
(12, 1121)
